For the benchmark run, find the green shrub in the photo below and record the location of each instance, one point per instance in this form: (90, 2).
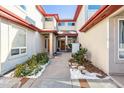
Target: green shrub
(80, 56)
(42, 58)
(18, 72)
(31, 66)
(70, 45)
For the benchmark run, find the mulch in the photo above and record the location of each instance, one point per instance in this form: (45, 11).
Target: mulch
(91, 68)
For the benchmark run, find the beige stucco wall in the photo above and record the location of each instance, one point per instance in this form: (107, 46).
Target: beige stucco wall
(95, 40)
(52, 25)
(49, 25)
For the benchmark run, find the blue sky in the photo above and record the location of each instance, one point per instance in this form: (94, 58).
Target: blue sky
(64, 11)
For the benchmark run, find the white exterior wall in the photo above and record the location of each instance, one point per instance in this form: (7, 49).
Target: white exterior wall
(34, 14)
(30, 11)
(34, 46)
(16, 10)
(81, 21)
(35, 41)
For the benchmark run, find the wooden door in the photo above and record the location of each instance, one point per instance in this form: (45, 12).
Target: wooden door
(62, 45)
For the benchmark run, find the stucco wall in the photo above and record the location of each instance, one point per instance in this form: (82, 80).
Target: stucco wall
(34, 45)
(50, 24)
(81, 21)
(95, 40)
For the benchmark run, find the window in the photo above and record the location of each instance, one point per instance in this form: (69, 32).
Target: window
(23, 7)
(71, 24)
(48, 19)
(14, 51)
(121, 39)
(90, 7)
(31, 21)
(61, 24)
(18, 37)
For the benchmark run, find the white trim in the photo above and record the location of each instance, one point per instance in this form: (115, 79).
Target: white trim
(121, 59)
(108, 46)
(0, 45)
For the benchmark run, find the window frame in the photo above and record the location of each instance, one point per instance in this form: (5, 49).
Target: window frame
(119, 49)
(71, 23)
(23, 7)
(30, 20)
(61, 24)
(48, 18)
(20, 54)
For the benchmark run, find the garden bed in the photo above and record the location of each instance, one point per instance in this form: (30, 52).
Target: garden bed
(11, 74)
(90, 72)
(76, 74)
(93, 69)
(40, 72)
(81, 68)
(32, 68)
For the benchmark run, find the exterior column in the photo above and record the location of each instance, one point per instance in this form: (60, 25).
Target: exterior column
(66, 40)
(51, 44)
(54, 43)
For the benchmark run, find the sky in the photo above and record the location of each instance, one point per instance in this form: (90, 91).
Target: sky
(64, 11)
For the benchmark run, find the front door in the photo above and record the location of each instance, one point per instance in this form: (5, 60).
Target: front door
(62, 44)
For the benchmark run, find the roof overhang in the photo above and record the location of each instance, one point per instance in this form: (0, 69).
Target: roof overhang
(100, 15)
(14, 18)
(42, 11)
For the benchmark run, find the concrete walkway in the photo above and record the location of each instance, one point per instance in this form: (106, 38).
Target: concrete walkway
(57, 74)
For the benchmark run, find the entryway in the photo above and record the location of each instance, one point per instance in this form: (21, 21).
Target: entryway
(62, 44)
